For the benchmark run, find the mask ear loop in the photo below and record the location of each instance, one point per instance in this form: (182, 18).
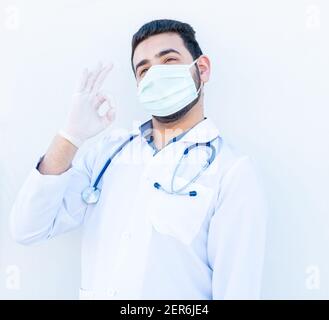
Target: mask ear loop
(194, 62)
(201, 86)
(201, 83)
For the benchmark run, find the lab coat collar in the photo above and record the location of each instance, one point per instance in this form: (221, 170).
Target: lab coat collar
(203, 131)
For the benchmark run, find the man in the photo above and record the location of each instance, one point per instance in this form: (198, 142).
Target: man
(151, 230)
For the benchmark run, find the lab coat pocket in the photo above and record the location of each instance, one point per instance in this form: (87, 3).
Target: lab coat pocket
(180, 216)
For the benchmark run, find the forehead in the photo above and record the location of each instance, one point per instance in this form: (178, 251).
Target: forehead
(148, 48)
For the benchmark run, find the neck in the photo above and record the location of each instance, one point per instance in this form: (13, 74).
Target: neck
(163, 132)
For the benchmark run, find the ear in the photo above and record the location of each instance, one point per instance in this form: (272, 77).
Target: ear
(204, 68)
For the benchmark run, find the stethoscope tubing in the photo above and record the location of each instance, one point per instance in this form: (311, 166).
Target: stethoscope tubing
(108, 162)
(156, 184)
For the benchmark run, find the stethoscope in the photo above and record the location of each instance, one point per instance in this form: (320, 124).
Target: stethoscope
(92, 193)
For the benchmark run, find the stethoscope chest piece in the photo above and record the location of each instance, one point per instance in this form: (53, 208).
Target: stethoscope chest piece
(91, 195)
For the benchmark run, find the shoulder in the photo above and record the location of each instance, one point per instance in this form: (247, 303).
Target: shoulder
(235, 165)
(240, 186)
(99, 149)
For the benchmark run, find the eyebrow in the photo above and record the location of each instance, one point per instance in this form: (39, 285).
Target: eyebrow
(158, 55)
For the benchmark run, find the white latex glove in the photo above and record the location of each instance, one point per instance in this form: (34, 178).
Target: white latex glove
(85, 118)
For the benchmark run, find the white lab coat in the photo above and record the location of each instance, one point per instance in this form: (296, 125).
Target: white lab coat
(141, 243)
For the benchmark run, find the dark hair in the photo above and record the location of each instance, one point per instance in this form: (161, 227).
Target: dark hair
(155, 27)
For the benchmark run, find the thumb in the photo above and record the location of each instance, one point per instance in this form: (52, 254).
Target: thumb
(103, 103)
(111, 114)
(106, 108)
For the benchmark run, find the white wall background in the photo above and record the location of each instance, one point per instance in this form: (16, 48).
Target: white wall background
(269, 95)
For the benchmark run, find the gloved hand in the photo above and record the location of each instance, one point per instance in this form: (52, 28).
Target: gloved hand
(84, 119)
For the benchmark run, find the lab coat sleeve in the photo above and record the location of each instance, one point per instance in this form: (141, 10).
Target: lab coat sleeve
(48, 205)
(236, 238)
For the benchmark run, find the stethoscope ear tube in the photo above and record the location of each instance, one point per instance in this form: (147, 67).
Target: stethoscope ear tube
(192, 193)
(157, 185)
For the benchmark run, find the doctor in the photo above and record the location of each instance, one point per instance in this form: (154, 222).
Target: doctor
(161, 222)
